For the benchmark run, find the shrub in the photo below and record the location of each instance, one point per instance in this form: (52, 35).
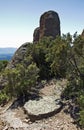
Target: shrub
(3, 98)
(20, 80)
(3, 64)
(81, 120)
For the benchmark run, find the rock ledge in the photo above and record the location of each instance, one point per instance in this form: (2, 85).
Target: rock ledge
(42, 108)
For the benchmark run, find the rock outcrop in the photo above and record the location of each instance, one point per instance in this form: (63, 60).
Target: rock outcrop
(36, 35)
(43, 107)
(18, 56)
(82, 33)
(49, 26)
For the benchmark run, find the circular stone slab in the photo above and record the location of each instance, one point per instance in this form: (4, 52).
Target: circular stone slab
(44, 106)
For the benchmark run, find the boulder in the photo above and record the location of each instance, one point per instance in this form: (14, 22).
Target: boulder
(43, 107)
(18, 56)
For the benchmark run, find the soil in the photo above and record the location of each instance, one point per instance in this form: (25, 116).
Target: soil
(16, 119)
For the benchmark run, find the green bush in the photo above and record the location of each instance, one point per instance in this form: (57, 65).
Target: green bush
(3, 64)
(20, 80)
(3, 98)
(27, 78)
(81, 120)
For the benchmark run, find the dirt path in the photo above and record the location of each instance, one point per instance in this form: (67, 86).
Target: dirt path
(15, 119)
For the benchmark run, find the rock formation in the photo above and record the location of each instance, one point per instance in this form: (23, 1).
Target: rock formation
(82, 33)
(49, 26)
(18, 56)
(36, 35)
(42, 108)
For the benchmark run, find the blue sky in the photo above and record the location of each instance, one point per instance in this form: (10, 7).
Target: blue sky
(19, 18)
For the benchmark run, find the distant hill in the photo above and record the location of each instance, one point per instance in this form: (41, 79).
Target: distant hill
(7, 53)
(8, 50)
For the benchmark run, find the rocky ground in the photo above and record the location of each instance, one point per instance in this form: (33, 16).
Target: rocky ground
(17, 119)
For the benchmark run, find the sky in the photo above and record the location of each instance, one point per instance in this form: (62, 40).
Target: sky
(19, 18)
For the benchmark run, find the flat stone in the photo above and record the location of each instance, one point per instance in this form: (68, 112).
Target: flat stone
(44, 107)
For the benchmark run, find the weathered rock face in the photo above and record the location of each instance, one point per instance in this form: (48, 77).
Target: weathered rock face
(82, 33)
(36, 35)
(49, 26)
(18, 56)
(44, 107)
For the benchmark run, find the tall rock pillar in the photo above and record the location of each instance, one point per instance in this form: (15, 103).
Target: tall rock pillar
(49, 26)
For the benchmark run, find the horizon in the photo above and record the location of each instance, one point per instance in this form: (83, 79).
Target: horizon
(8, 47)
(20, 18)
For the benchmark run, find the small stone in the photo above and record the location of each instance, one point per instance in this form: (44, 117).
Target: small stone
(30, 122)
(26, 120)
(6, 128)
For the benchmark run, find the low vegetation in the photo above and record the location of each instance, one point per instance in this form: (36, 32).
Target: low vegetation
(3, 64)
(59, 58)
